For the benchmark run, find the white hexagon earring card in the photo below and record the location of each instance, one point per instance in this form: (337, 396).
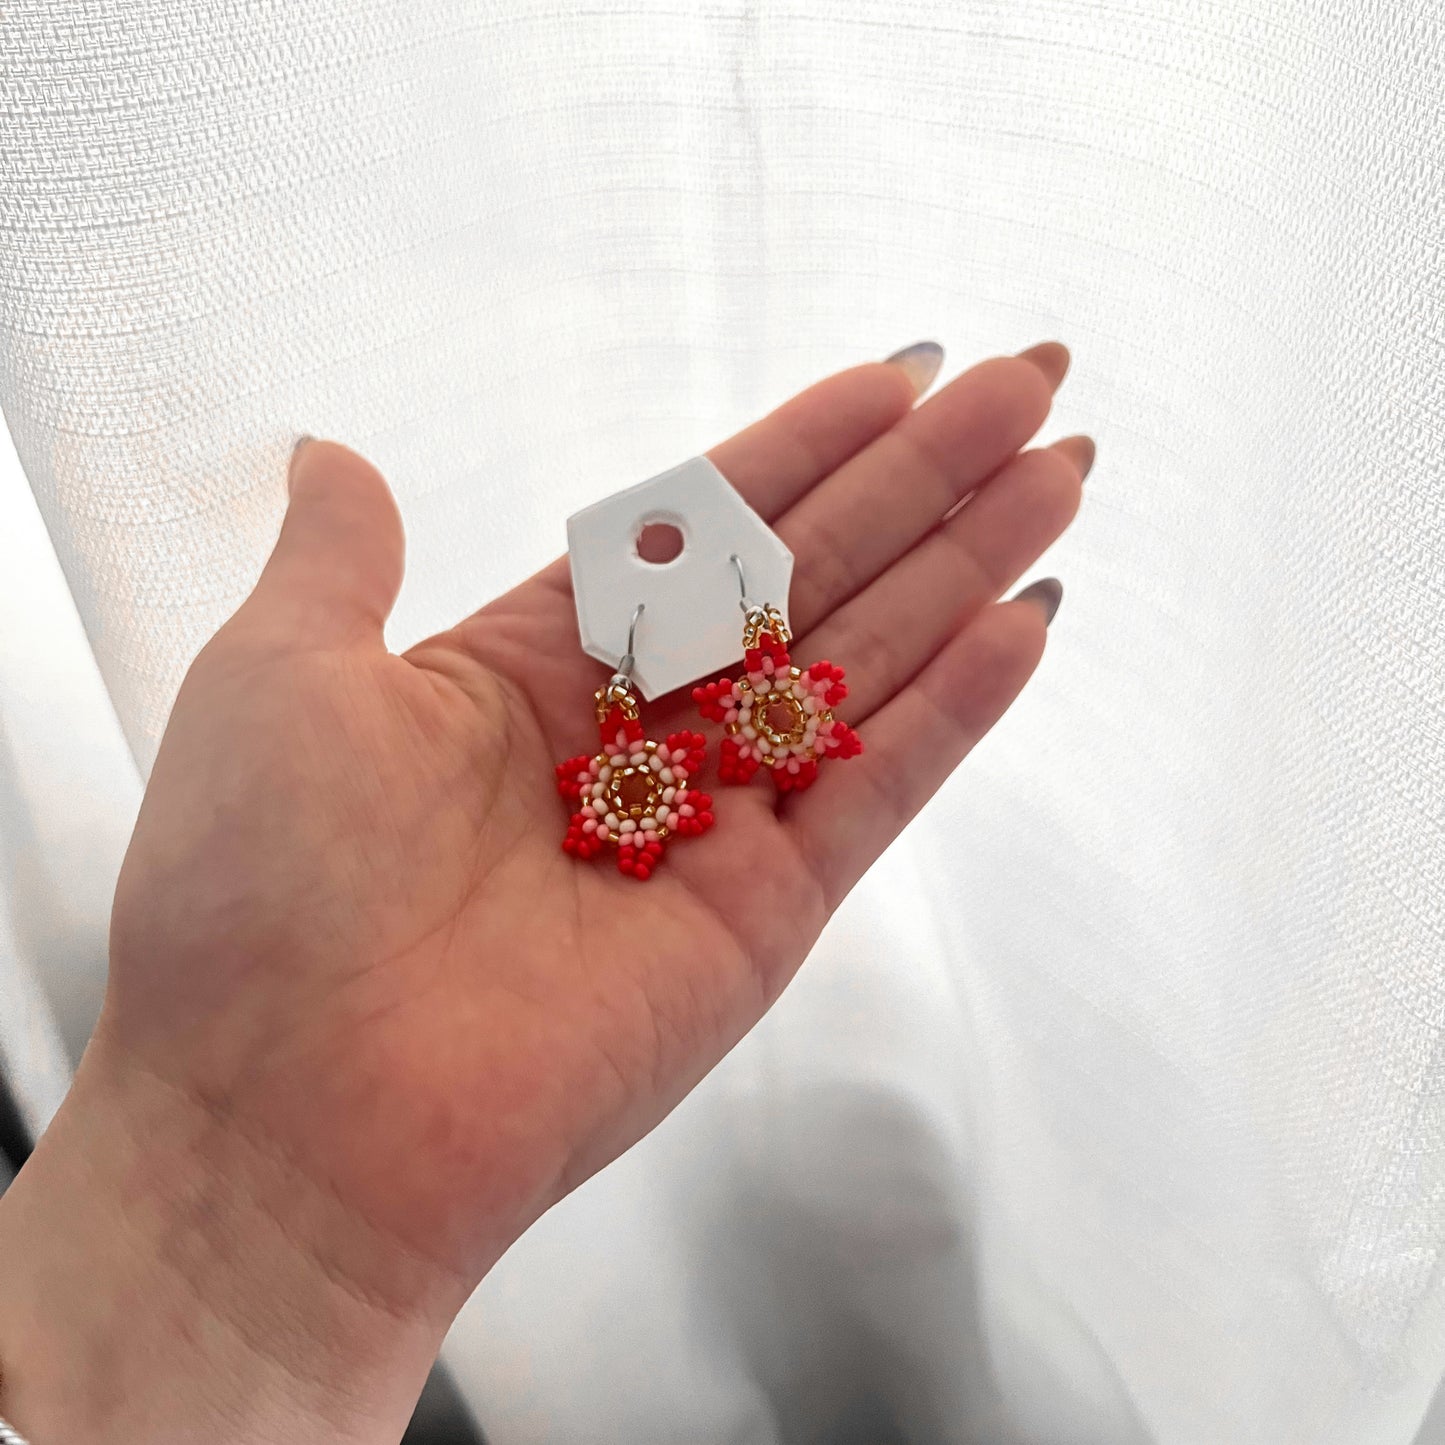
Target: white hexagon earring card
(691, 625)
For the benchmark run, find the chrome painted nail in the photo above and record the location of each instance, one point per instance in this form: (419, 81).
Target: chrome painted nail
(919, 363)
(300, 443)
(1045, 594)
(1080, 450)
(1051, 357)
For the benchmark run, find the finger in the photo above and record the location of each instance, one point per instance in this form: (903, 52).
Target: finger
(337, 565)
(843, 823)
(878, 504)
(1080, 450)
(782, 456)
(890, 630)
(1051, 358)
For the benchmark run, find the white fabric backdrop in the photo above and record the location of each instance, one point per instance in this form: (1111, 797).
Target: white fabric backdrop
(68, 793)
(1112, 1107)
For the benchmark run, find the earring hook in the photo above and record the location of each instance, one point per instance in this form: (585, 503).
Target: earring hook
(759, 617)
(623, 675)
(742, 581)
(618, 692)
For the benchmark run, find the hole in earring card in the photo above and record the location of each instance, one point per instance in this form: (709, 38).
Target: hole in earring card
(659, 543)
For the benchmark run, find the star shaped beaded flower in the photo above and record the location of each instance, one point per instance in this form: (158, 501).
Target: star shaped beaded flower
(635, 793)
(776, 715)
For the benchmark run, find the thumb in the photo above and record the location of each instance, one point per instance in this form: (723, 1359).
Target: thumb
(334, 573)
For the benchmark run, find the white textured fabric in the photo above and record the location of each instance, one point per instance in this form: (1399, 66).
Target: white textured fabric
(68, 791)
(1112, 1107)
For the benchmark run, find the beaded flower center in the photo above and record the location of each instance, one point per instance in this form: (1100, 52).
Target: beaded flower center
(780, 717)
(634, 792)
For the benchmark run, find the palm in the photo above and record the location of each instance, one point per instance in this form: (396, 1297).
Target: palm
(444, 985)
(741, 902)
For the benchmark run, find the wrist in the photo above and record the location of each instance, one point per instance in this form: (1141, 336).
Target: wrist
(163, 1277)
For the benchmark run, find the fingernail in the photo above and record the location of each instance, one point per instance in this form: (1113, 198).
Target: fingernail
(296, 451)
(919, 363)
(1051, 357)
(1045, 594)
(1080, 450)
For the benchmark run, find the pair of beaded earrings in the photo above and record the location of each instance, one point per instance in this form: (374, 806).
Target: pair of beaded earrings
(634, 793)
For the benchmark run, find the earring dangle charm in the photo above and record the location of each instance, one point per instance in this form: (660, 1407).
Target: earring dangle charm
(776, 715)
(633, 793)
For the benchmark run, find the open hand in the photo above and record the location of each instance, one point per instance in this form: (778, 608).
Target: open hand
(347, 946)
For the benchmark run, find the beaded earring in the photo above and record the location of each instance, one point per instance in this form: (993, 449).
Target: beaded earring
(633, 794)
(776, 715)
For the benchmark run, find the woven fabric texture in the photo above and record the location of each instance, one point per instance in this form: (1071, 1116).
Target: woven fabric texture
(1112, 1107)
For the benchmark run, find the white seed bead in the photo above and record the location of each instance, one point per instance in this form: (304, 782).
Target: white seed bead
(668, 794)
(612, 821)
(629, 825)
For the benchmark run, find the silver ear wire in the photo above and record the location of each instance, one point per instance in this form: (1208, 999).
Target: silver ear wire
(623, 676)
(742, 581)
(758, 617)
(754, 613)
(618, 692)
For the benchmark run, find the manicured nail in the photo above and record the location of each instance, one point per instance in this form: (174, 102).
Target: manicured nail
(1051, 357)
(1045, 594)
(296, 450)
(1080, 450)
(919, 363)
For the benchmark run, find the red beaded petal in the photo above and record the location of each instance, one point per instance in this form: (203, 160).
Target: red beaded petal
(787, 781)
(732, 766)
(570, 775)
(714, 700)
